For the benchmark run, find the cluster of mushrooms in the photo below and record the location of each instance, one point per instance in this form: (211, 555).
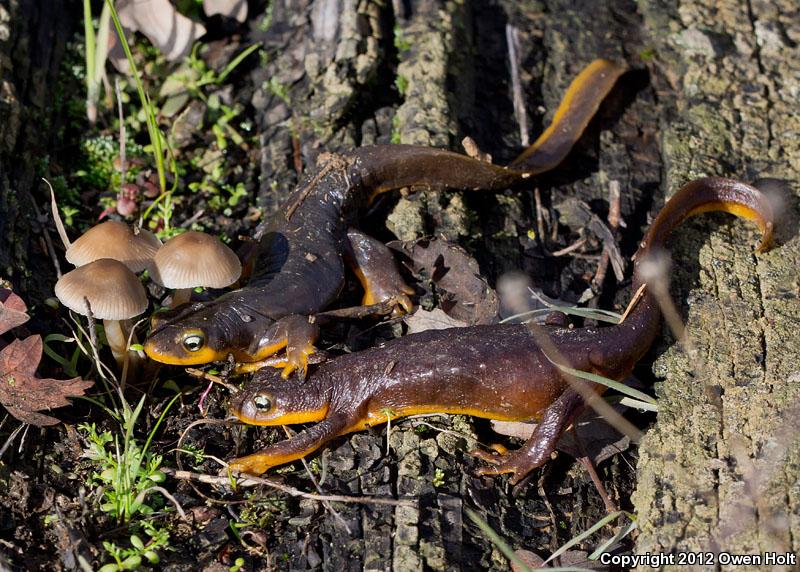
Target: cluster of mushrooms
(107, 258)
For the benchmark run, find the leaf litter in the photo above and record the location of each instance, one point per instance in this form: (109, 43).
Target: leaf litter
(22, 393)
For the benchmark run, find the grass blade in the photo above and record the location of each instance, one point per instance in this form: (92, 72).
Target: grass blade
(597, 526)
(623, 532)
(507, 551)
(235, 62)
(616, 385)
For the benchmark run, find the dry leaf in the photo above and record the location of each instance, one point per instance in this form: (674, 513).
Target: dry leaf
(463, 293)
(22, 393)
(236, 9)
(168, 30)
(422, 320)
(531, 560)
(12, 311)
(580, 559)
(600, 439)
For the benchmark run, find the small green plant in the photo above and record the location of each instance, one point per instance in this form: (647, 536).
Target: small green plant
(276, 88)
(257, 512)
(204, 76)
(98, 167)
(126, 474)
(196, 454)
(132, 558)
(128, 471)
(396, 135)
(69, 365)
(438, 478)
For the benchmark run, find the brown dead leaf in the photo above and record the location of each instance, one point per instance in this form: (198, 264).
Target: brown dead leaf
(422, 320)
(599, 438)
(13, 311)
(22, 393)
(168, 30)
(531, 560)
(236, 9)
(464, 294)
(580, 559)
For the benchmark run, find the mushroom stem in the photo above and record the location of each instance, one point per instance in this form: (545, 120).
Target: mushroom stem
(117, 332)
(181, 296)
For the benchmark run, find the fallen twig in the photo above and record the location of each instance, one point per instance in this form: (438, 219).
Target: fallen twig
(614, 219)
(520, 113)
(251, 481)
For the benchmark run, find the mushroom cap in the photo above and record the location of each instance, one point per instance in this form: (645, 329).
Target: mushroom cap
(195, 259)
(116, 240)
(113, 291)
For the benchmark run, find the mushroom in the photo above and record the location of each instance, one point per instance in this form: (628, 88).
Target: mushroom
(114, 294)
(194, 259)
(117, 240)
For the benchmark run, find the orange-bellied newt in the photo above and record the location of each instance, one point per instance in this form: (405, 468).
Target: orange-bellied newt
(495, 371)
(301, 266)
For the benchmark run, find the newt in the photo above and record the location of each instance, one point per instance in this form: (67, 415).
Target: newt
(495, 371)
(300, 268)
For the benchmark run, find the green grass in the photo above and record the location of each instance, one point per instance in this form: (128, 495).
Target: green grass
(158, 142)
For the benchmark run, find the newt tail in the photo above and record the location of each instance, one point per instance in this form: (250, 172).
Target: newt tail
(496, 372)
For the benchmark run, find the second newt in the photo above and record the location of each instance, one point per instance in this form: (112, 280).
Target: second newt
(496, 372)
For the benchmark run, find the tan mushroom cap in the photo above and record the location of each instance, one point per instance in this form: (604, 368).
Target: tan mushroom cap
(195, 259)
(113, 291)
(116, 240)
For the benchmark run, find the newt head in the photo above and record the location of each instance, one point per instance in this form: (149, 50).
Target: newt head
(191, 334)
(271, 400)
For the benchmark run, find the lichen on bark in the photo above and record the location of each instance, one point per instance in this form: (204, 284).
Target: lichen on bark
(720, 468)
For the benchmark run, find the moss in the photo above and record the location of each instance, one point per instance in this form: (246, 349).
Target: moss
(401, 83)
(400, 41)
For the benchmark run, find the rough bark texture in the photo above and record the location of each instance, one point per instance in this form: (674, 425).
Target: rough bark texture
(720, 470)
(32, 39)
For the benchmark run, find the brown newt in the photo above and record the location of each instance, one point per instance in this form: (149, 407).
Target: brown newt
(301, 268)
(496, 372)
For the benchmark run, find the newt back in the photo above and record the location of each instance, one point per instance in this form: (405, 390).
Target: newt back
(301, 269)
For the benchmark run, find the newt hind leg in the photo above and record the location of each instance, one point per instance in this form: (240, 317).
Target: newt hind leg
(375, 267)
(537, 449)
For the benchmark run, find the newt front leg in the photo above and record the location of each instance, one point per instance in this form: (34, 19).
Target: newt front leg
(302, 444)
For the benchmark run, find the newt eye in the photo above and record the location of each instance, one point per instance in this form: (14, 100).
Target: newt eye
(193, 342)
(262, 402)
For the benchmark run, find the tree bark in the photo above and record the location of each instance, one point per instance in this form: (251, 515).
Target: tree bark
(33, 34)
(719, 471)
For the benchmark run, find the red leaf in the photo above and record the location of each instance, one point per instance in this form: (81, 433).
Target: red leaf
(12, 311)
(22, 393)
